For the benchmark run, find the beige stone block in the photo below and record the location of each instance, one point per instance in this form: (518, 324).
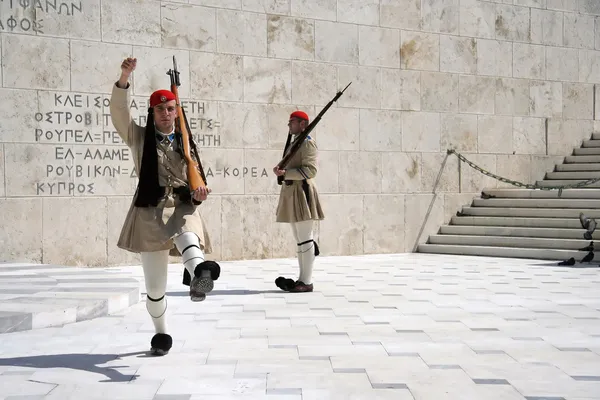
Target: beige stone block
(514, 167)
(191, 27)
(458, 54)
(19, 50)
(342, 230)
(313, 83)
(561, 5)
(247, 125)
(473, 181)
(531, 3)
(339, 129)
(289, 37)
(385, 216)
(401, 172)
(89, 69)
(365, 91)
(495, 134)
(423, 216)
(118, 208)
(267, 80)
(328, 164)
(597, 35)
(401, 89)
(477, 19)
(284, 243)
(562, 64)
(322, 9)
(566, 134)
(364, 12)
(597, 103)
(512, 23)
(336, 42)
(211, 212)
(439, 172)
(420, 51)
(79, 20)
(579, 31)
(267, 6)
(380, 130)
(578, 101)
(541, 165)
(216, 76)
(546, 99)
(247, 226)
(103, 170)
(494, 57)
(439, 92)
(589, 66)
(529, 135)
(23, 18)
(360, 172)
(477, 94)
(224, 170)
(440, 15)
(459, 132)
(258, 171)
(589, 7)
(529, 61)
(132, 22)
(151, 71)
(19, 109)
(454, 202)
(421, 131)
(232, 4)
(242, 33)
(379, 46)
(23, 241)
(404, 14)
(39, 169)
(2, 180)
(512, 96)
(75, 231)
(546, 27)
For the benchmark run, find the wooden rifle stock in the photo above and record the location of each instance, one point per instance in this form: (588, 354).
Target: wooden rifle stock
(295, 146)
(195, 178)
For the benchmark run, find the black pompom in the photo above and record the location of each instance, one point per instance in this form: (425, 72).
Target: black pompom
(161, 343)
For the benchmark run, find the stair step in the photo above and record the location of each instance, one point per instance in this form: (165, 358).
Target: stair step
(586, 151)
(505, 241)
(582, 159)
(544, 194)
(591, 143)
(577, 167)
(538, 203)
(530, 212)
(596, 136)
(507, 252)
(516, 231)
(565, 182)
(564, 223)
(573, 175)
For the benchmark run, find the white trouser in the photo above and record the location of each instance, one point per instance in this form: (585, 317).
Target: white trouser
(189, 246)
(155, 266)
(303, 233)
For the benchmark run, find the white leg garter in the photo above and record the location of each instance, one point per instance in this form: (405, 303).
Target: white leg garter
(303, 232)
(155, 276)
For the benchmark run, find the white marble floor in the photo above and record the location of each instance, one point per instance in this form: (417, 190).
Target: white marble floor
(408, 326)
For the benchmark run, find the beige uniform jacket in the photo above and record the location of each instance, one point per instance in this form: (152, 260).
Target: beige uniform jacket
(152, 228)
(299, 201)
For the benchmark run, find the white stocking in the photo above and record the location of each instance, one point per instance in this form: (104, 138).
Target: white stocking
(189, 246)
(303, 232)
(155, 275)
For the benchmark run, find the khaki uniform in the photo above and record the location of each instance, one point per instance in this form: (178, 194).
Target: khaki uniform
(152, 228)
(299, 198)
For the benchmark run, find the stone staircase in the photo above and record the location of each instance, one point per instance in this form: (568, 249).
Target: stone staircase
(529, 223)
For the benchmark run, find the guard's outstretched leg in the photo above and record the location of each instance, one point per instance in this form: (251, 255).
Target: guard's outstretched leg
(203, 272)
(155, 276)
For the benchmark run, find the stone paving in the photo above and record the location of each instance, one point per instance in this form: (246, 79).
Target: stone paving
(407, 326)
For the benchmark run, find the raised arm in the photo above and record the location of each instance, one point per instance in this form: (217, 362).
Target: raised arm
(120, 113)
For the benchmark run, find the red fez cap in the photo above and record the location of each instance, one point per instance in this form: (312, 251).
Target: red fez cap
(161, 96)
(299, 114)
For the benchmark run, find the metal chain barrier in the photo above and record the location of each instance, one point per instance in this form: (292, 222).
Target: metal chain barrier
(520, 184)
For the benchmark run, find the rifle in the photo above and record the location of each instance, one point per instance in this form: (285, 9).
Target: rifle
(195, 172)
(300, 138)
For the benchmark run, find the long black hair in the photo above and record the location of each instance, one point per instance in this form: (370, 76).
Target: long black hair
(149, 191)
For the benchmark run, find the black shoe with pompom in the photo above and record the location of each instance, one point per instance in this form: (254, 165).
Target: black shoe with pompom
(160, 344)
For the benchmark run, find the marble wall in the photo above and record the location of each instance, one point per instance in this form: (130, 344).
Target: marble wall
(511, 84)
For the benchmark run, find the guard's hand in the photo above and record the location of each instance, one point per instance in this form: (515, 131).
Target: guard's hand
(278, 172)
(128, 66)
(201, 193)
